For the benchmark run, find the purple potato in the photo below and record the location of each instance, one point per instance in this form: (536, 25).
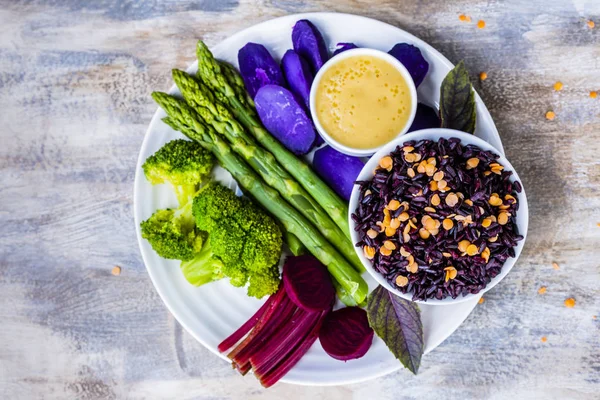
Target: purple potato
(308, 43)
(341, 47)
(284, 116)
(410, 56)
(337, 169)
(258, 68)
(425, 118)
(298, 75)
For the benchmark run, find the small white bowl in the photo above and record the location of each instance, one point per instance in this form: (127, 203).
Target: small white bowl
(435, 134)
(352, 53)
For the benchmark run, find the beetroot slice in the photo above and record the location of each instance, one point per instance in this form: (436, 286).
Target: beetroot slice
(308, 283)
(346, 334)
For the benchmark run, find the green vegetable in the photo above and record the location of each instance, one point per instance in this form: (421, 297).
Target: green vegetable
(212, 112)
(203, 268)
(182, 163)
(398, 323)
(457, 101)
(210, 72)
(171, 233)
(244, 243)
(294, 244)
(184, 118)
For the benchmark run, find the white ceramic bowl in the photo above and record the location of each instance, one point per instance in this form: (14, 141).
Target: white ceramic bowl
(352, 53)
(435, 134)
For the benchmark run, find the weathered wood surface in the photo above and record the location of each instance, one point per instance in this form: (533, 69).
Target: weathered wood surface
(75, 79)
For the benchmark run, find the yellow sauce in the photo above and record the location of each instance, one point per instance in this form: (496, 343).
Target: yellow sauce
(363, 102)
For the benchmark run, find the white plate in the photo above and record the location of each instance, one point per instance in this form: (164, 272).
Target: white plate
(212, 312)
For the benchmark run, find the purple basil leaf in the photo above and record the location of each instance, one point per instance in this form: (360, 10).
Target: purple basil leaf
(410, 56)
(457, 100)
(341, 47)
(425, 118)
(398, 323)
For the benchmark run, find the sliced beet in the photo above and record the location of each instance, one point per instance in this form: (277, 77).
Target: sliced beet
(308, 42)
(410, 56)
(426, 117)
(346, 334)
(298, 75)
(341, 47)
(307, 283)
(284, 116)
(339, 170)
(258, 68)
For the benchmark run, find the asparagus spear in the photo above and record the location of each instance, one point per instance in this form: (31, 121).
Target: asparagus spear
(236, 82)
(211, 73)
(184, 118)
(212, 112)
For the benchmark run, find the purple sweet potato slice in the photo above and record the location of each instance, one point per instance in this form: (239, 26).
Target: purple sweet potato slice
(338, 170)
(425, 118)
(308, 43)
(258, 68)
(341, 47)
(307, 283)
(284, 116)
(410, 56)
(298, 75)
(346, 334)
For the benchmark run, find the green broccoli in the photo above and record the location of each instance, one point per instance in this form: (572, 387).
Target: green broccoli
(204, 267)
(244, 243)
(172, 233)
(183, 163)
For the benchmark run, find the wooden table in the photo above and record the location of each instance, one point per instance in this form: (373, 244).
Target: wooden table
(75, 79)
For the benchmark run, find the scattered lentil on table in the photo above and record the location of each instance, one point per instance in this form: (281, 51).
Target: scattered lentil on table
(570, 302)
(558, 86)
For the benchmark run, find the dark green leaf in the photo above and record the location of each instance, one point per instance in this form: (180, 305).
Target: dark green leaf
(457, 100)
(398, 323)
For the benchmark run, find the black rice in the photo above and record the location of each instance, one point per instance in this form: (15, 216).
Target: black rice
(441, 264)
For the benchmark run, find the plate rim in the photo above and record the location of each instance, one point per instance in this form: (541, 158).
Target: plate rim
(159, 113)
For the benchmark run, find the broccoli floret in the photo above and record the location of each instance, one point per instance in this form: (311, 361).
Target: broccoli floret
(204, 267)
(183, 163)
(171, 233)
(242, 236)
(263, 284)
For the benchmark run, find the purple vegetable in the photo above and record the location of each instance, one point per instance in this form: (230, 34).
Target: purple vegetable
(258, 68)
(337, 169)
(398, 323)
(308, 43)
(285, 118)
(298, 75)
(318, 140)
(426, 117)
(341, 47)
(410, 56)
(307, 283)
(346, 334)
